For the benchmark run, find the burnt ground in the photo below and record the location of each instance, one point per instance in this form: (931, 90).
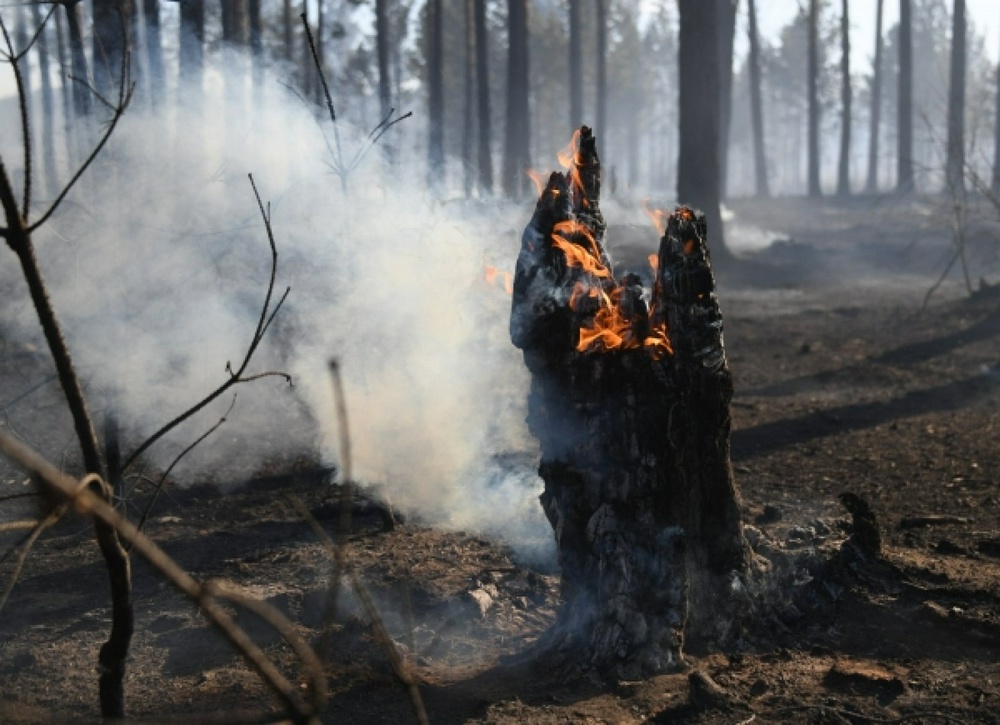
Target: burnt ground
(843, 386)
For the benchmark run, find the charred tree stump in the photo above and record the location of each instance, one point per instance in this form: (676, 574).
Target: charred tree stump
(630, 403)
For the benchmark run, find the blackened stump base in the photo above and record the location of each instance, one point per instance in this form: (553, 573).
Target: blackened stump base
(635, 458)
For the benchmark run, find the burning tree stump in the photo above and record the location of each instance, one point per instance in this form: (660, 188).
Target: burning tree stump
(630, 403)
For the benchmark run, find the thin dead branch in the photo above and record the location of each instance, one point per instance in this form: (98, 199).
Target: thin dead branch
(81, 495)
(36, 531)
(237, 376)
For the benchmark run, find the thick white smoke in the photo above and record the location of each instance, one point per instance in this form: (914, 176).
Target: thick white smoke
(158, 265)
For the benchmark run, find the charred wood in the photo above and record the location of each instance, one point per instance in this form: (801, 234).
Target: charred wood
(633, 424)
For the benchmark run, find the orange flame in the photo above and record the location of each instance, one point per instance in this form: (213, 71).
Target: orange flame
(654, 262)
(493, 274)
(569, 159)
(538, 179)
(658, 216)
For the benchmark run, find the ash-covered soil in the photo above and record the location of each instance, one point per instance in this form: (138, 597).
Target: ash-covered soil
(843, 387)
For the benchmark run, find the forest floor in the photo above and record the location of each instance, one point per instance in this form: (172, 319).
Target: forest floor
(843, 385)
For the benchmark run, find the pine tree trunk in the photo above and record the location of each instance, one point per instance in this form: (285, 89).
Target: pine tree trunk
(904, 113)
(191, 42)
(154, 50)
(871, 184)
(256, 27)
(995, 186)
(382, 41)
(575, 67)
(469, 118)
(634, 440)
(82, 101)
(698, 169)
(48, 105)
(761, 185)
(485, 134)
(517, 134)
(601, 116)
(956, 104)
(435, 95)
(727, 33)
(844, 167)
(813, 70)
(112, 19)
(288, 28)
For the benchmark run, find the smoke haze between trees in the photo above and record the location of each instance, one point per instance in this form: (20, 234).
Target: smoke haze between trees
(158, 265)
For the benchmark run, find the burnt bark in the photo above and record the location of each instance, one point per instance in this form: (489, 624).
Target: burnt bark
(634, 434)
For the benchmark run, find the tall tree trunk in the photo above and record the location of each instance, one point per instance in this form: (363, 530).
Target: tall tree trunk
(256, 27)
(871, 185)
(904, 119)
(82, 100)
(844, 167)
(320, 47)
(382, 42)
(288, 26)
(435, 95)
(309, 81)
(517, 134)
(698, 73)
(727, 32)
(234, 22)
(191, 43)
(956, 103)
(48, 105)
(813, 70)
(22, 35)
(995, 186)
(575, 67)
(469, 120)
(112, 19)
(601, 116)
(761, 185)
(154, 50)
(68, 109)
(484, 110)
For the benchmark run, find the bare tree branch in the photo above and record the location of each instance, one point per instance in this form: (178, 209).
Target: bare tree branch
(235, 377)
(85, 500)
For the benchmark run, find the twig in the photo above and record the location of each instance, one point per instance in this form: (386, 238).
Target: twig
(236, 377)
(335, 552)
(206, 595)
(159, 485)
(326, 90)
(39, 527)
(22, 98)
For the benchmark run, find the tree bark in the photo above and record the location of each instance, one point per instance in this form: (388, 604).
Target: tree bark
(995, 186)
(485, 134)
(435, 95)
(813, 70)
(601, 115)
(844, 166)
(871, 184)
(154, 51)
(48, 105)
(191, 42)
(761, 186)
(727, 33)
(634, 439)
(517, 134)
(469, 120)
(382, 42)
(82, 101)
(575, 66)
(904, 112)
(956, 104)
(698, 183)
